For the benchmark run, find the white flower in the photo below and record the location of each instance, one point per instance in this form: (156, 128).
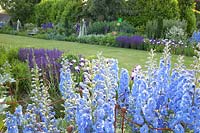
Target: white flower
(81, 64)
(76, 68)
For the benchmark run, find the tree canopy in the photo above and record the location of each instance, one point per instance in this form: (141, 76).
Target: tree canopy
(19, 9)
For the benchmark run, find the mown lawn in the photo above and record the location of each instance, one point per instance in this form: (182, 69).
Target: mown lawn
(127, 57)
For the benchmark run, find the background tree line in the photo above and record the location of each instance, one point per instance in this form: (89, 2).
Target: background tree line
(68, 12)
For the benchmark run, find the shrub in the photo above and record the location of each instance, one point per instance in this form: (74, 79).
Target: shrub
(107, 40)
(18, 70)
(137, 42)
(21, 72)
(106, 27)
(29, 26)
(7, 30)
(98, 28)
(57, 32)
(169, 23)
(123, 41)
(177, 34)
(152, 27)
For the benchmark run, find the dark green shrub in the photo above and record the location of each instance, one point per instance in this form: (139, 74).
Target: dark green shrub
(107, 40)
(21, 73)
(191, 21)
(7, 30)
(103, 27)
(151, 28)
(98, 28)
(41, 36)
(157, 30)
(71, 38)
(3, 56)
(189, 51)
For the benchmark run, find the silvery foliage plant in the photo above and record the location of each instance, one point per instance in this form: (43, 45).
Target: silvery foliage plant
(39, 114)
(5, 78)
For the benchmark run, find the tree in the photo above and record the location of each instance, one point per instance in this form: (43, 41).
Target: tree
(19, 9)
(187, 13)
(143, 11)
(197, 7)
(104, 9)
(58, 11)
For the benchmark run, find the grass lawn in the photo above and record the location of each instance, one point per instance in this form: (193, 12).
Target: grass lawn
(127, 57)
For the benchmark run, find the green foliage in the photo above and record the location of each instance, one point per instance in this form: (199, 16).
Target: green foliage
(177, 34)
(29, 26)
(57, 11)
(17, 69)
(42, 13)
(71, 13)
(169, 23)
(22, 75)
(191, 21)
(57, 33)
(107, 40)
(152, 27)
(186, 13)
(143, 11)
(20, 9)
(107, 10)
(103, 27)
(7, 30)
(61, 13)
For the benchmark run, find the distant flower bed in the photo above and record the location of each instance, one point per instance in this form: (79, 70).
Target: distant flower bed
(130, 42)
(166, 41)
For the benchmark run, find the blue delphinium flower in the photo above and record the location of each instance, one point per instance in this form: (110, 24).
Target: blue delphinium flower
(68, 92)
(123, 90)
(195, 37)
(104, 91)
(13, 121)
(167, 100)
(83, 116)
(144, 129)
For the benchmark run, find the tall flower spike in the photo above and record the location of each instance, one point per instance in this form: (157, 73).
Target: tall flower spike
(196, 68)
(180, 65)
(39, 116)
(166, 54)
(124, 89)
(68, 93)
(151, 65)
(14, 122)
